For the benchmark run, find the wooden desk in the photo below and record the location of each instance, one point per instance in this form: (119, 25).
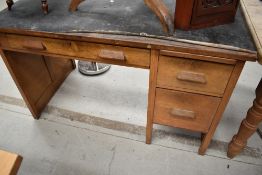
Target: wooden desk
(254, 115)
(9, 163)
(190, 82)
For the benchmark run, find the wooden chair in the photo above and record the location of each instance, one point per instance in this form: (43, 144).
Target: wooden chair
(10, 3)
(157, 6)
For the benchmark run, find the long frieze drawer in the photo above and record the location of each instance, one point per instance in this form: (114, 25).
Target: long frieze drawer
(193, 75)
(185, 110)
(98, 52)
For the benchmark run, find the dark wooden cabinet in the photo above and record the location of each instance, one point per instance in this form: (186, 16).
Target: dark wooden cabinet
(195, 14)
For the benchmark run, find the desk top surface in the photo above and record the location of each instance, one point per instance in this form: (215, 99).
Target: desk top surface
(122, 17)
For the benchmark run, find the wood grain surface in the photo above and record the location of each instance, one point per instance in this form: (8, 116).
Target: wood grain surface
(252, 10)
(9, 163)
(179, 109)
(193, 75)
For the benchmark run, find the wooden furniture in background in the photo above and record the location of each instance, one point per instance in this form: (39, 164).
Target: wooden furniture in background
(44, 6)
(9, 163)
(254, 115)
(10, 3)
(248, 126)
(162, 12)
(74, 5)
(195, 14)
(189, 14)
(157, 6)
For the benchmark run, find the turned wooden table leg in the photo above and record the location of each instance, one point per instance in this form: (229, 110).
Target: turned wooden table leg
(44, 6)
(9, 3)
(248, 126)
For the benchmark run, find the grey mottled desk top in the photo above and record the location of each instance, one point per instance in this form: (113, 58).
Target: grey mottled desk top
(127, 17)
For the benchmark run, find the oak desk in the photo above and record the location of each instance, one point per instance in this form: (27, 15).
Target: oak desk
(192, 74)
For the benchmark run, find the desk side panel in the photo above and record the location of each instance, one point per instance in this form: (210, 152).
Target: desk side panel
(37, 77)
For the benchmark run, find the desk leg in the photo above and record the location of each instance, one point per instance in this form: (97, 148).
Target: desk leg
(248, 126)
(37, 77)
(44, 6)
(206, 138)
(9, 3)
(151, 94)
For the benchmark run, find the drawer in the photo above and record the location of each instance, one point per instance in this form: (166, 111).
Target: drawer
(185, 110)
(91, 51)
(193, 75)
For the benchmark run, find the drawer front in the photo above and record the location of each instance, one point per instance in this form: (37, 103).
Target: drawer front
(193, 75)
(185, 110)
(92, 51)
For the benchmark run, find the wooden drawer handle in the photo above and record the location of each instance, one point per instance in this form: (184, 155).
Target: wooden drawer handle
(183, 113)
(34, 45)
(192, 77)
(112, 55)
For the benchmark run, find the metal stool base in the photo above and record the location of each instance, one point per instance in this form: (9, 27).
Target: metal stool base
(92, 68)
